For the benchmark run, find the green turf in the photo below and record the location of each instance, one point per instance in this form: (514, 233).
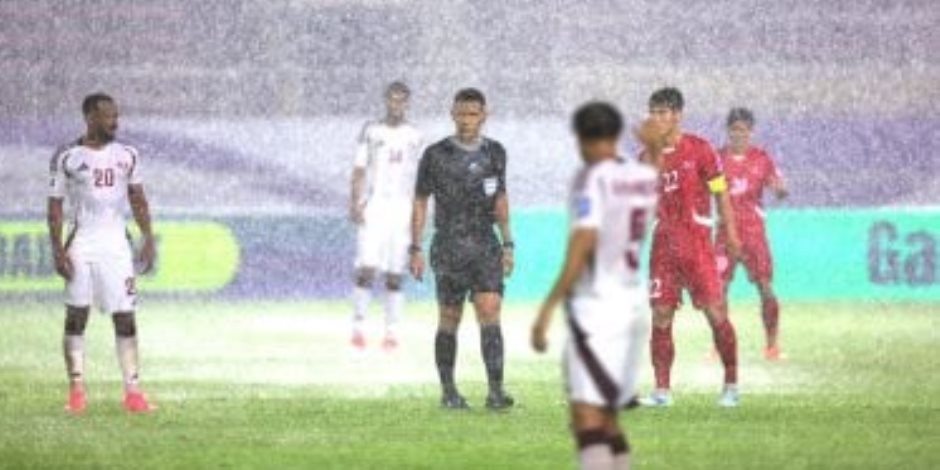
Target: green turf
(274, 386)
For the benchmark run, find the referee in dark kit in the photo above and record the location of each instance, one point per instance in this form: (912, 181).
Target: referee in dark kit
(466, 174)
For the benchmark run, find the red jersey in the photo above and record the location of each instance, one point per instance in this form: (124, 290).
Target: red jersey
(747, 178)
(685, 176)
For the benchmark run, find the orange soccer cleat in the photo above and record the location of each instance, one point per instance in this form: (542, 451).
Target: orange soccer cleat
(77, 401)
(136, 402)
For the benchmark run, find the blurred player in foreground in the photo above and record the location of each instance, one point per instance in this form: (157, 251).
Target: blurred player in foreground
(100, 177)
(683, 255)
(750, 170)
(380, 206)
(611, 202)
(466, 174)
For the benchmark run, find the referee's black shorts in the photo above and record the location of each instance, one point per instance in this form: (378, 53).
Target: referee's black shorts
(466, 267)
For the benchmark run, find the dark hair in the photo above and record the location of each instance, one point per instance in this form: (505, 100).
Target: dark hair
(597, 120)
(741, 114)
(90, 103)
(397, 86)
(470, 94)
(669, 97)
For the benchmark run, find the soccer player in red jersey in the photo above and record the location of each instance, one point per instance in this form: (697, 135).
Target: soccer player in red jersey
(750, 171)
(683, 255)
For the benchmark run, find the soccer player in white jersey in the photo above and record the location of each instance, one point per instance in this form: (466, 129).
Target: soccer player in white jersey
(602, 288)
(99, 178)
(383, 181)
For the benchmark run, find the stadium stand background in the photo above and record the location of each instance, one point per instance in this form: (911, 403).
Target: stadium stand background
(268, 96)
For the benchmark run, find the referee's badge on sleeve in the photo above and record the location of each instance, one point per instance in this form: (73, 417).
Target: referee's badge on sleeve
(489, 186)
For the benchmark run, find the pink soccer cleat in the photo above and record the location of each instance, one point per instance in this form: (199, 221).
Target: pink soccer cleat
(136, 402)
(77, 401)
(773, 354)
(358, 341)
(390, 343)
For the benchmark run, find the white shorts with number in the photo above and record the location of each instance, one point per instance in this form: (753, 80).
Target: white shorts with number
(606, 344)
(384, 237)
(104, 281)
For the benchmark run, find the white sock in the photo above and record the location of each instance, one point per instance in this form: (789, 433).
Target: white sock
(394, 303)
(622, 461)
(127, 357)
(74, 348)
(596, 457)
(361, 298)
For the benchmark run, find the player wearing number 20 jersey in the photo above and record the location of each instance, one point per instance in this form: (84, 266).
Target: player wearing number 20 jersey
(100, 180)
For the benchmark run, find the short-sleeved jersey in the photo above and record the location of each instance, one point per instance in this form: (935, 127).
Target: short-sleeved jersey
(465, 183)
(616, 198)
(685, 174)
(390, 156)
(95, 184)
(748, 175)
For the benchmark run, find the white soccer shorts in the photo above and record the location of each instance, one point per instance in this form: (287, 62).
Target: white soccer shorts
(606, 345)
(107, 283)
(384, 237)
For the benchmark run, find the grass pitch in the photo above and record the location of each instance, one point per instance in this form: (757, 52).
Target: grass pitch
(274, 385)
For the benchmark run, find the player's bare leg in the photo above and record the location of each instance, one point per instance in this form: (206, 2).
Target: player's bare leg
(663, 353)
(125, 332)
(601, 443)
(73, 346)
(394, 302)
(445, 354)
(725, 340)
(770, 313)
(488, 306)
(362, 295)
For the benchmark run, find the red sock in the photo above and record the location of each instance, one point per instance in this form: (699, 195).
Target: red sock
(727, 345)
(663, 352)
(770, 311)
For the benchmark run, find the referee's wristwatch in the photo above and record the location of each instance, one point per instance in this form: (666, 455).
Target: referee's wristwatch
(414, 249)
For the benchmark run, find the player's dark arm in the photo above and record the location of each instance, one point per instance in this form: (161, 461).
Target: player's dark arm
(505, 232)
(726, 221)
(502, 217)
(54, 218)
(141, 210)
(580, 247)
(419, 213)
(355, 193)
(779, 186)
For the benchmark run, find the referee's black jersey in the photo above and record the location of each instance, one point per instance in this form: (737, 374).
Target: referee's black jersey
(465, 183)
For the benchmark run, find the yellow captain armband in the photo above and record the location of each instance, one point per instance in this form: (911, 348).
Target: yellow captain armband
(718, 184)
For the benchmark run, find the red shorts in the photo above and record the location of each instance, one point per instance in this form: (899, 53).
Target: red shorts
(683, 259)
(755, 255)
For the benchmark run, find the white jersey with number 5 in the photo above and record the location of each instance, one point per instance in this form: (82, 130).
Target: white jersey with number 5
(95, 184)
(390, 156)
(617, 198)
(607, 314)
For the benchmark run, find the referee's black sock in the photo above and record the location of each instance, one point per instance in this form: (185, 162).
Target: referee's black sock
(445, 355)
(491, 344)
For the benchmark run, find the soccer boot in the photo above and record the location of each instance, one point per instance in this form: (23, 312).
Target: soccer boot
(773, 354)
(358, 341)
(660, 398)
(729, 397)
(390, 343)
(454, 401)
(136, 402)
(77, 402)
(499, 400)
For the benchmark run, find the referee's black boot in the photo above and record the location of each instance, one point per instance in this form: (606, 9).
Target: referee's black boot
(499, 400)
(452, 400)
